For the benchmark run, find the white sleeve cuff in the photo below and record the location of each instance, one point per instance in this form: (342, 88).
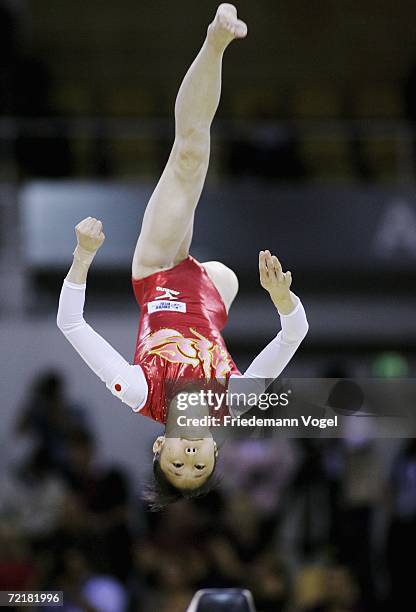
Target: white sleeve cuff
(80, 286)
(295, 324)
(295, 310)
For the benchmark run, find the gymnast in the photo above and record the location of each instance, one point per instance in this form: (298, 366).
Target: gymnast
(184, 304)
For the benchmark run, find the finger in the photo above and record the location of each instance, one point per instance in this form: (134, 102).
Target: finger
(82, 223)
(262, 262)
(288, 278)
(96, 229)
(82, 228)
(262, 259)
(262, 266)
(91, 227)
(87, 224)
(277, 269)
(269, 261)
(276, 264)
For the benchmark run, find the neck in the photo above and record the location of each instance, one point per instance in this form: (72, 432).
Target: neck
(190, 432)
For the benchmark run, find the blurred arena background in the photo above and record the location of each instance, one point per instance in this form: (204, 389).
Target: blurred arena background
(314, 157)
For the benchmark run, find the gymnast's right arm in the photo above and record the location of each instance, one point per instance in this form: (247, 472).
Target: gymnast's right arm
(125, 381)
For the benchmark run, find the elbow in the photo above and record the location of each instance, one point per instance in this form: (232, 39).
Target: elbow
(304, 331)
(66, 326)
(62, 326)
(59, 322)
(298, 335)
(129, 385)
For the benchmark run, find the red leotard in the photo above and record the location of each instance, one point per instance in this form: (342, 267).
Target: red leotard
(179, 337)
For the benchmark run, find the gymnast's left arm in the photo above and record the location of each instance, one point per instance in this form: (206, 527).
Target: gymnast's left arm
(273, 359)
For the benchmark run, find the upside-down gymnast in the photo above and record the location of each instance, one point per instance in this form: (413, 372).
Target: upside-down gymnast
(184, 304)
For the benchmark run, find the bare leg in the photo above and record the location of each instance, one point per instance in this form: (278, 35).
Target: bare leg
(224, 279)
(168, 217)
(184, 247)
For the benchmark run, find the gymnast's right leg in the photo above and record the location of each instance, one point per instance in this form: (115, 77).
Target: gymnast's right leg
(167, 226)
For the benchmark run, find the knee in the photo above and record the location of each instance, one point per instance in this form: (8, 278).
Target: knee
(224, 279)
(232, 281)
(228, 275)
(192, 153)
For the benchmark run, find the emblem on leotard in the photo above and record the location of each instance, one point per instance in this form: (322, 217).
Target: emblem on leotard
(171, 345)
(169, 294)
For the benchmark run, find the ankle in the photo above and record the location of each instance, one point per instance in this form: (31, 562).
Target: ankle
(216, 42)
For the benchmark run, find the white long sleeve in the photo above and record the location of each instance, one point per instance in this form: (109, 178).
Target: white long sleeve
(273, 359)
(125, 381)
(276, 355)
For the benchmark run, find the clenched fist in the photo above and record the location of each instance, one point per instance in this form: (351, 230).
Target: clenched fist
(90, 234)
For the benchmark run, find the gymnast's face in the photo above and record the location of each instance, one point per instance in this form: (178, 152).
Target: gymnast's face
(186, 463)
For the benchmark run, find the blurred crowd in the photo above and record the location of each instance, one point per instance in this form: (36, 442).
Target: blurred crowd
(308, 525)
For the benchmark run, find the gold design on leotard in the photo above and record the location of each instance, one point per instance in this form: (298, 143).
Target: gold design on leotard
(171, 345)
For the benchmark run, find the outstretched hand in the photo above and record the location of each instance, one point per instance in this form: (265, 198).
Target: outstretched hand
(275, 281)
(89, 234)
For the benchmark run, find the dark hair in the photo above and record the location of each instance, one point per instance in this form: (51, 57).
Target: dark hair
(160, 493)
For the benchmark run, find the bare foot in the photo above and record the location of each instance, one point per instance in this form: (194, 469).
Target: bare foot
(226, 26)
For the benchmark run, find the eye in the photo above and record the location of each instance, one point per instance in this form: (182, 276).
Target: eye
(177, 464)
(199, 466)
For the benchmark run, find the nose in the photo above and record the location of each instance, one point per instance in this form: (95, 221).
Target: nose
(190, 450)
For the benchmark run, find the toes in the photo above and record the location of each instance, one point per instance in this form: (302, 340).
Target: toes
(228, 8)
(223, 21)
(238, 28)
(227, 21)
(241, 29)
